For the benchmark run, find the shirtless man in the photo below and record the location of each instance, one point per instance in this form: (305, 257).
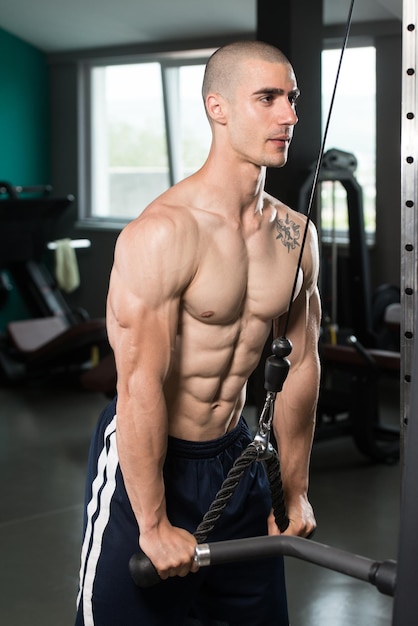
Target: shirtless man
(196, 282)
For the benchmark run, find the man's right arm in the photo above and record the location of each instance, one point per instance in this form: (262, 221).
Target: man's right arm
(150, 272)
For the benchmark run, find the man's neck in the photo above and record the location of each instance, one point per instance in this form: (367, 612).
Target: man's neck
(240, 185)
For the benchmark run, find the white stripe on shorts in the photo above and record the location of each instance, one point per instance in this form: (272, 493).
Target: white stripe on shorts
(103, 488)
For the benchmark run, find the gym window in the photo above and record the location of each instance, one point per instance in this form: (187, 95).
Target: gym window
(352, 129)
(145, 130)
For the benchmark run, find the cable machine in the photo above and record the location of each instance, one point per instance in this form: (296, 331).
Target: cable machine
(352, 357)
(338, 167)
(393, 578)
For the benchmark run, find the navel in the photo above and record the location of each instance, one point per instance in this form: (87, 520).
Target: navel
(207, 314)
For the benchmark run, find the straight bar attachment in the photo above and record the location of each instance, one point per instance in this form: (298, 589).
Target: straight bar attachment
(380, 574)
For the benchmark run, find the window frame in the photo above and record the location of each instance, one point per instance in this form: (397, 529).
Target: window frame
(168, 62)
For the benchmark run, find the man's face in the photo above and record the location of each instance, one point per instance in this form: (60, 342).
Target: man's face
(262, 112)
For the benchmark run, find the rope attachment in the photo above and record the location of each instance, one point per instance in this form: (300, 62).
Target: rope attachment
(260, 449)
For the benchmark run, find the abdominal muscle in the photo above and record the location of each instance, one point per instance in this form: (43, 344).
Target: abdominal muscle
(206, 390)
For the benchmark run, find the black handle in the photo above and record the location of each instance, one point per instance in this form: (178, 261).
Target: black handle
(143, 571)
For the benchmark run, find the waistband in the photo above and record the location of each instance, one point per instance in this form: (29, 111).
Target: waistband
(211, 448)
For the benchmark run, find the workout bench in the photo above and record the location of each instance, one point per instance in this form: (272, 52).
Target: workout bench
(360, 401)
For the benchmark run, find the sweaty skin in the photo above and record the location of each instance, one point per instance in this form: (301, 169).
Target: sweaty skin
(196, 282)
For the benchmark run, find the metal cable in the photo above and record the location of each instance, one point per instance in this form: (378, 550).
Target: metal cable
(251, 453)
(317, 169)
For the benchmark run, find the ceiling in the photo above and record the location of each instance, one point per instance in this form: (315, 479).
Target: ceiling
(58, 26)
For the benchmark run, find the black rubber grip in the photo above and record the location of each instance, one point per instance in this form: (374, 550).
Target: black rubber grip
(143, 571)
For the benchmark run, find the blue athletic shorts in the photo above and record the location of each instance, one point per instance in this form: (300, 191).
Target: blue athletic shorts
(243, 594)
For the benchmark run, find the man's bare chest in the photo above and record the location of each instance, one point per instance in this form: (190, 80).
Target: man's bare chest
(242, 278)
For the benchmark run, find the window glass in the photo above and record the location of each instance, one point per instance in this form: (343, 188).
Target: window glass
(352, 129)
(129, 148)
(195, 129)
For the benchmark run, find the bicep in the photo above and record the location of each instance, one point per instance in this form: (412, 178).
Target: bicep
(303, 326)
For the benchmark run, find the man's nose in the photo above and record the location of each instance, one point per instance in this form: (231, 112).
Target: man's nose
(293, 118)
(287, 114)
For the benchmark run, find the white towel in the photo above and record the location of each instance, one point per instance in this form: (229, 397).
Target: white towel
(66, 267)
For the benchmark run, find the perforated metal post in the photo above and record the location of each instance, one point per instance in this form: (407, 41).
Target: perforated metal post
(406, 601)
(409, 199)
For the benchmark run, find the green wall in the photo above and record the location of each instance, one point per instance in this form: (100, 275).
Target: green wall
(24, 134)
(24, 113)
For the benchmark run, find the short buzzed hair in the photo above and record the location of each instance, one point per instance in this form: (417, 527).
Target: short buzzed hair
(223, 65)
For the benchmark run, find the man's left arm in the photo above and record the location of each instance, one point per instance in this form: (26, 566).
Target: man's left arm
(295, 407)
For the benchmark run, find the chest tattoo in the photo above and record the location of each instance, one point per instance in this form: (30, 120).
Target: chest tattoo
(288, 233)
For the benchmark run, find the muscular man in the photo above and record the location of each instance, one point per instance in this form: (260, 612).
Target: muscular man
(196, 282)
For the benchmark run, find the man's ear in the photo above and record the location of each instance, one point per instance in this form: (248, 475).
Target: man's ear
(216, 108)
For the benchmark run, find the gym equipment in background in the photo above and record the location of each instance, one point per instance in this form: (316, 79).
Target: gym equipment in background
(47, 337)
(357, 348)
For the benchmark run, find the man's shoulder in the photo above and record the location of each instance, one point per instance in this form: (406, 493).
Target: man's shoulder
(282, 210)
(164, 213)
(163, 228)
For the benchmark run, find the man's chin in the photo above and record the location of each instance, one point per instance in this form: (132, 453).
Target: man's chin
(276, 162)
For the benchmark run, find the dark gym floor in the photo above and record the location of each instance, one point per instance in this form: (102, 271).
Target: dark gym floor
(44, 437)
